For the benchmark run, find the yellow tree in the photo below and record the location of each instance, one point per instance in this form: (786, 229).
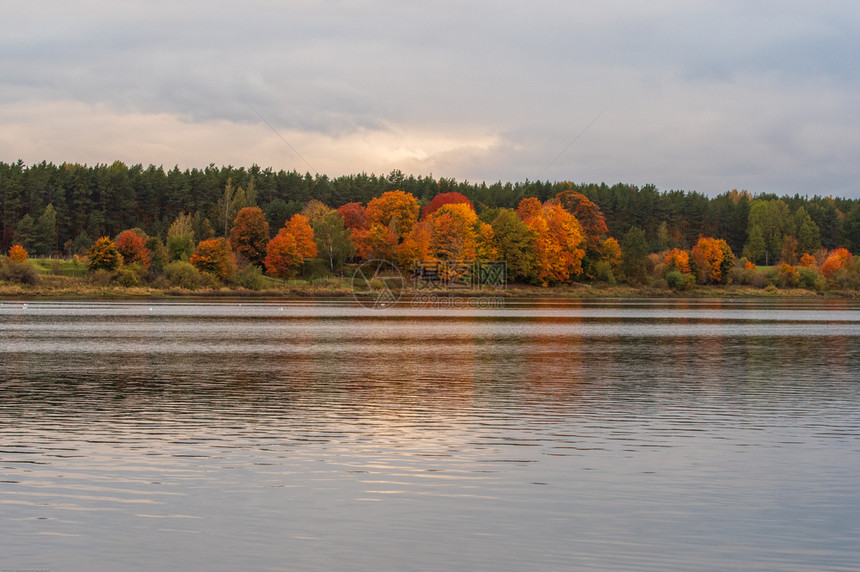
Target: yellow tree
(558, 241)
(394, 209)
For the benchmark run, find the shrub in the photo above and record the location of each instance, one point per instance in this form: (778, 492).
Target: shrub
(250, 277)
(100, 277)
(128, 276)
(21, 272)
(678, 280)
(17, 253)
(603, 272)
(182, 274)
(811, 279)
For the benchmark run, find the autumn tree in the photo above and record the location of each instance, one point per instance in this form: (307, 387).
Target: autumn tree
(104, 255)
(557, 243)
(299, 227)
(283, 259)
(610, 252)
(444, 199)
(396, 210)
(835, 261)
(17, 253)
(132, 247)
(588, 214)
(215, 257)
(354, 216)
(711, 260)
(377, 242)
(250, 234)
(453, 232)
(678, 259)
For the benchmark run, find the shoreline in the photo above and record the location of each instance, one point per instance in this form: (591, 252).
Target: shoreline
(340, 289)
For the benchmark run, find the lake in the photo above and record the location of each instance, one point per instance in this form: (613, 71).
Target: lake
(322, 435)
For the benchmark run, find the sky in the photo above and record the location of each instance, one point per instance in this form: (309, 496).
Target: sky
(696, 96)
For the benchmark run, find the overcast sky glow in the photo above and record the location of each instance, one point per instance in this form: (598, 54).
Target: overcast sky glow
(704, 96)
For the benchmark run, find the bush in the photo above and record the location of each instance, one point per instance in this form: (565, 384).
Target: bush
(603, 272)
(680, 281)
(100, 277)
(811, 279)
(182, 274)
(128, 276)
(21, 272)
(250, 277)
(764, 279)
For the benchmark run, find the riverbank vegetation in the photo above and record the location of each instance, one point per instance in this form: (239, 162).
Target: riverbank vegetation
(217, 230)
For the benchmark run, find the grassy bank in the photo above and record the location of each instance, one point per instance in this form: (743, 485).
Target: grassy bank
(69, 279)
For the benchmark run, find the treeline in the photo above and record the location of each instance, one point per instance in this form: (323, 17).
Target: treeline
(62, 209)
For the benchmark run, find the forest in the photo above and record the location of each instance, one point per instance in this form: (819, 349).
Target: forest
(548, 232)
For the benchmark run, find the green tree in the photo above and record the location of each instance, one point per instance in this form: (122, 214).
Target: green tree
(755, 248)
(25, 231)
(634, 251)
(180, 238)
(333, 239)
(45, 232)
(851, 230)
(513, 240)
(774, 222)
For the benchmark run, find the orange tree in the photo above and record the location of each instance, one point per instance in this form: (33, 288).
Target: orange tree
(286, 253)
(283, 259)
(678, 259)
(17, 253)
(711, 260)
(250, 234)
(103, 255)
(835, 261)
(132, 247)
(214, 256)
(557, 243)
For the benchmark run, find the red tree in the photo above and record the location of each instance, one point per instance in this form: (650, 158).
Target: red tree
(250, 234)
(444, 199)
(131, 246)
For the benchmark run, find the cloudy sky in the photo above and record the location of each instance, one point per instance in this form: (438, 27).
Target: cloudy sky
(704, 96)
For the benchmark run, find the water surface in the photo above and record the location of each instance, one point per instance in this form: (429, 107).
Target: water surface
(619, 435)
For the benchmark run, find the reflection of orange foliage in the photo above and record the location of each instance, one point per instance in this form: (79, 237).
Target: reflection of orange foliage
(807, 260)
(396, 210)
(712, 259)
(354, 216)
(680, 259)
(17, 253)
(837, 259)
